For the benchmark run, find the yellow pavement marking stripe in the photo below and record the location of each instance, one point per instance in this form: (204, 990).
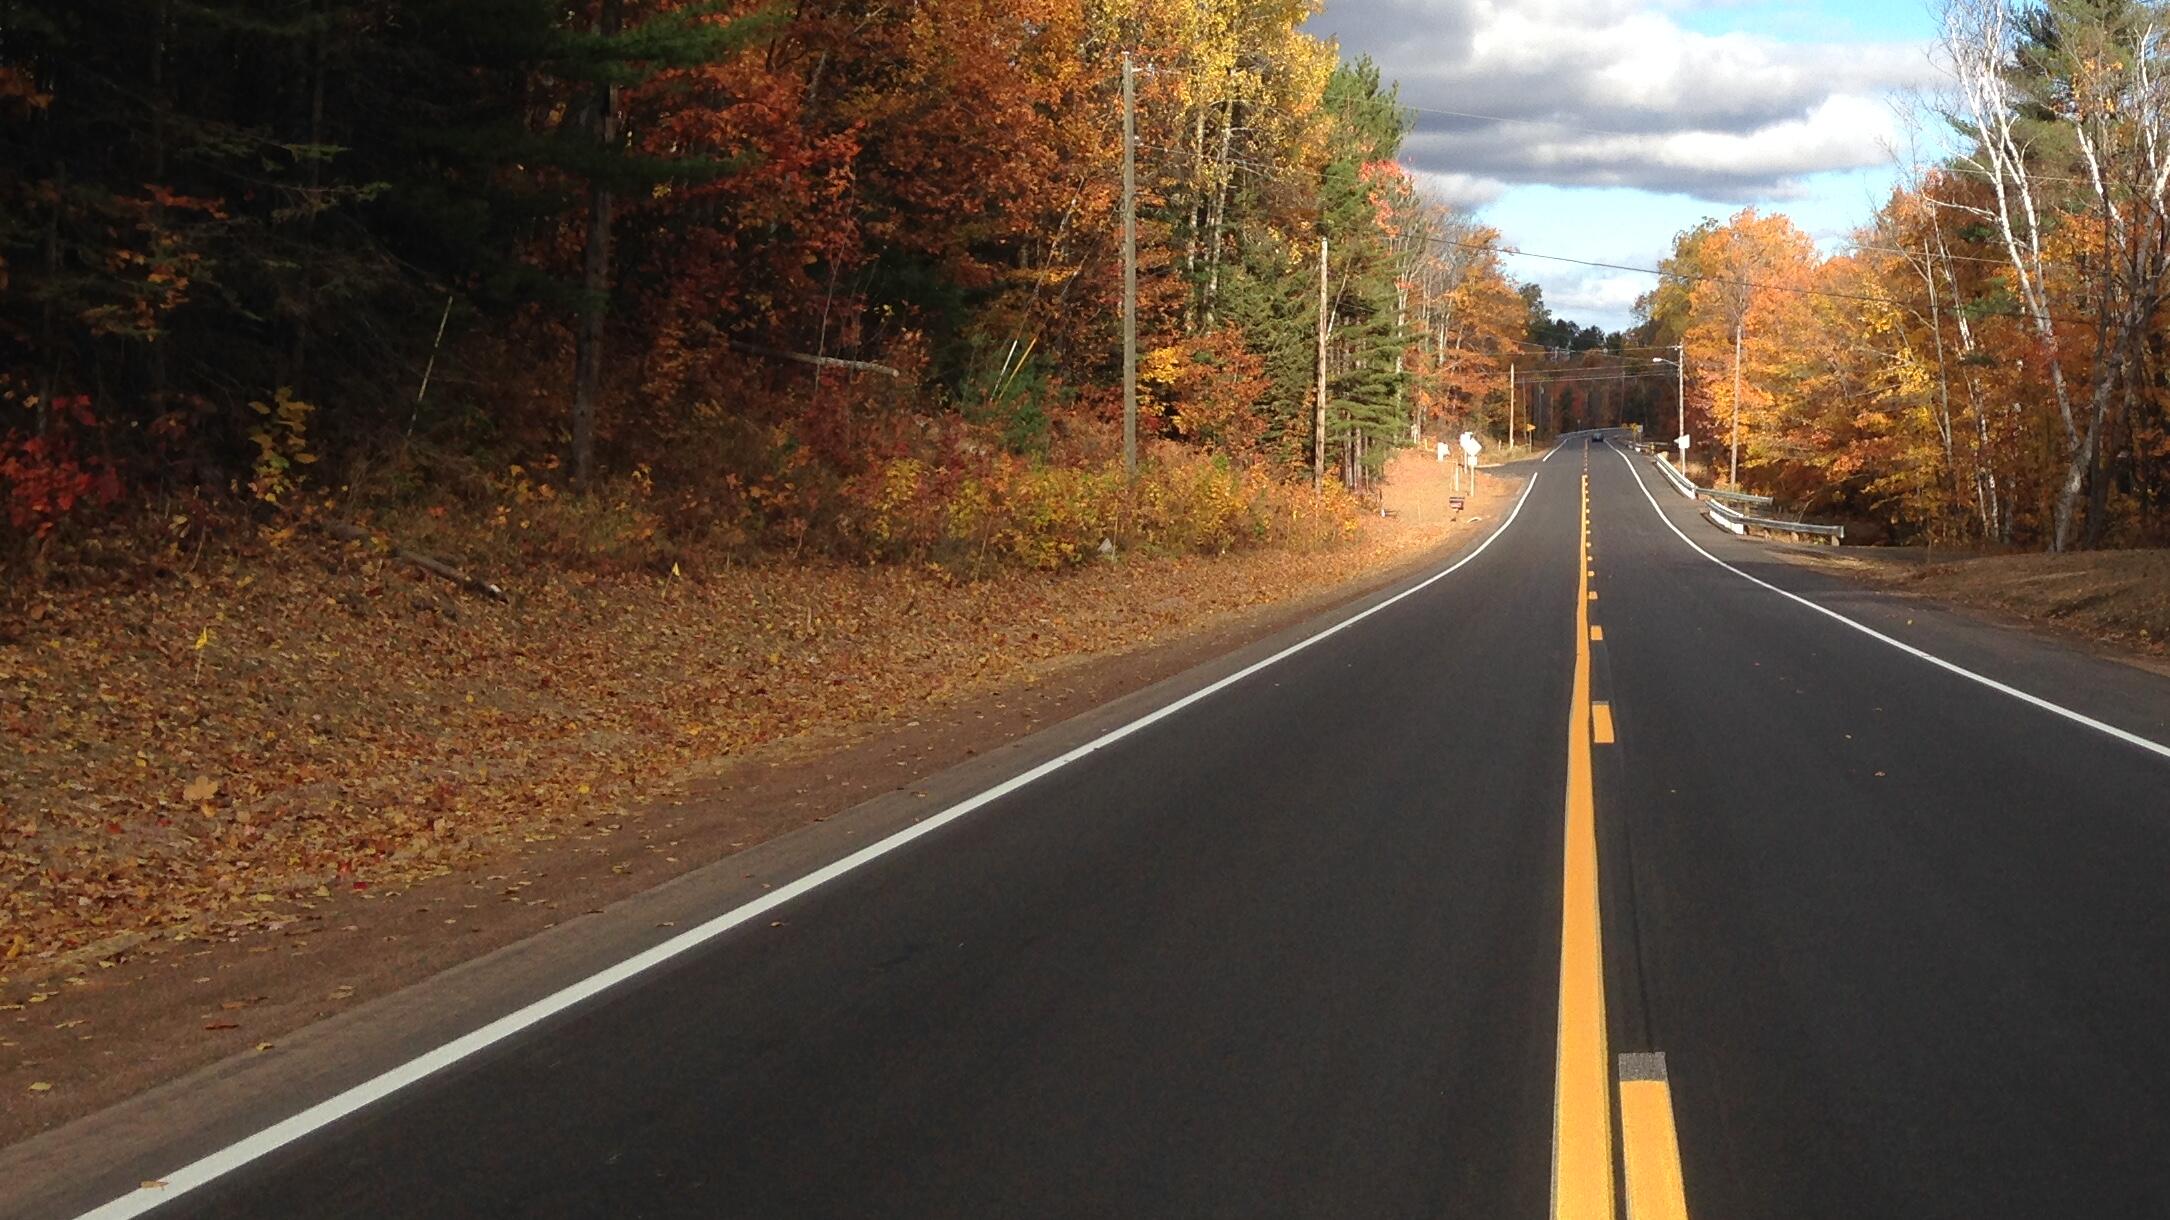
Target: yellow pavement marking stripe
(1601, 723)
(1648, 1143)
(1597, 634)
(1582, 1167)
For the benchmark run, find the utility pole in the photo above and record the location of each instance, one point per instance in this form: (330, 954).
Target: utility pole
(1680, 395)
(1510, 408)
(1733, 467)
(1130, 270)
(1318, 408)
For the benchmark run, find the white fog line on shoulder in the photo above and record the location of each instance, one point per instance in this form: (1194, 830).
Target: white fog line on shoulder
(234, 1156)
(2056, 709)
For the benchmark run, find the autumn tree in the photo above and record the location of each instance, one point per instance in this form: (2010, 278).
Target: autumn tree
(2069, 113)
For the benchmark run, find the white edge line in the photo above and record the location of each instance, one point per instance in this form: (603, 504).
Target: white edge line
(2081, 718)
(217, 1164)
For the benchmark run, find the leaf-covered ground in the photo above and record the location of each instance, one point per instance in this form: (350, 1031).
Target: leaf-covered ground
(222, 751)
(2120, 598)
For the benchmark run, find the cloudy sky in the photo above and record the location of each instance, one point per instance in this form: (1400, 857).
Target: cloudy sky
(1607, 126)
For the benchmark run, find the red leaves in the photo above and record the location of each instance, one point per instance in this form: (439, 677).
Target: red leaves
(44, 477)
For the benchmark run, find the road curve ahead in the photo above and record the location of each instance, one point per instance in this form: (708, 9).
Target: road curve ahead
(1604, 875)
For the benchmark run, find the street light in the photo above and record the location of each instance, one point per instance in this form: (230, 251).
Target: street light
(1680, 392)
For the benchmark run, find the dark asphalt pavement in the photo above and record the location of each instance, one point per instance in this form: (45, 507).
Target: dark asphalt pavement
(1294, 951)
(1905, 940)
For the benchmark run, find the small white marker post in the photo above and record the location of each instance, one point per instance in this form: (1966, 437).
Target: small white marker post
(1471, 447)
(1682, 441)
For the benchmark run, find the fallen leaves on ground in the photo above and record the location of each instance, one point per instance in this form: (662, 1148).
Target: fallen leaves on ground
(2120, 597)
(344, 724)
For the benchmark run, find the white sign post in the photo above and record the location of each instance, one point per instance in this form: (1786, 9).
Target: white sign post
(1471, 447)
(1682, 441)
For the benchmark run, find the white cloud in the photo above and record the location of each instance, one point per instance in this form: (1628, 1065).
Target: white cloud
(1597, 294)
(1466, 191)
(1615, 93)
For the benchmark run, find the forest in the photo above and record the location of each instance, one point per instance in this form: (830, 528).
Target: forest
(635, 283)
(640, 282)
(1983, 363)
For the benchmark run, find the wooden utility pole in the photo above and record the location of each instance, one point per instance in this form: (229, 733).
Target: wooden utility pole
(1510, 407)
(1130, 270)
(1733, 467)
(1318, 407)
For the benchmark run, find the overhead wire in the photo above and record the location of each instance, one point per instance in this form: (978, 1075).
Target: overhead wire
(1280, 171)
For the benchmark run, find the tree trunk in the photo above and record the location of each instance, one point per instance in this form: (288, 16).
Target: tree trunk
(2080, 458)
(2098, 479)
(1194, 213)
(1987, 496)
(1221, 178)
(1401, 331)
(1943, 377)
(1318, 406)
(157, 353)
(48, 340)
(298, 358)
(594, 273)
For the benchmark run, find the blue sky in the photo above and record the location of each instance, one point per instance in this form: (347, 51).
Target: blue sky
(1618, 123)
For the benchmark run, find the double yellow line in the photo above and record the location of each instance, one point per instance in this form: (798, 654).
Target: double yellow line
(1582, 1149)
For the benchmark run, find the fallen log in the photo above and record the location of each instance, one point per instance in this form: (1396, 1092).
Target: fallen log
(819, 362)
(428, 563)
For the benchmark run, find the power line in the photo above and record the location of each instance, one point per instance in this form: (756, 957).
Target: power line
(1287, 171)
(1956, 258)
(1685, 277)
(1573, 379)
(1666, 275)
(1673, 275)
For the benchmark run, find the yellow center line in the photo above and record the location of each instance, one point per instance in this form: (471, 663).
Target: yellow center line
(1649, 1146)
(1582, 1164)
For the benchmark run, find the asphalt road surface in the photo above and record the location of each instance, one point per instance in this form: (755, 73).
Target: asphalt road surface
(1399, 924)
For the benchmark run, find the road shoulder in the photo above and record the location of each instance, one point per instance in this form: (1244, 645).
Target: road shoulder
(432, 985)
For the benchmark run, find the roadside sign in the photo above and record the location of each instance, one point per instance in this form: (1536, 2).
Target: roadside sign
(1455, 503)
(1682, 441)
(1471, 445)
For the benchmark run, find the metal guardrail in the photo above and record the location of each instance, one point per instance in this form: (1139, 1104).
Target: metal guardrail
(1740, 523)
(1678, 480)
(1736, 497)
(1729, 518)
(1725, 518)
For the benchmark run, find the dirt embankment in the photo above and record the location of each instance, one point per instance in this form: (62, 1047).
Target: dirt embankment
(244, 800)
(2113, 597)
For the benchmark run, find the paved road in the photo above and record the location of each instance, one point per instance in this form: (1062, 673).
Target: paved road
(1309, 945)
